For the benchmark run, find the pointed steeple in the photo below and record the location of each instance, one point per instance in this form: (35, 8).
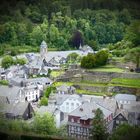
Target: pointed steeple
(80, 47)
(43, 44)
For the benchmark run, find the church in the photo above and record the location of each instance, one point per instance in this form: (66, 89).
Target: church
(41, 62)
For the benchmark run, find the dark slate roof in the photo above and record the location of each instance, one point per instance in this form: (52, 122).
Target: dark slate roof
(16, 109)
(87, 111)
(106, 102)
(10, 92)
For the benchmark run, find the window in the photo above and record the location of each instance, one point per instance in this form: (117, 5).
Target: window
(78, 121)
(33, 96)
(67, 103)
(125, 102)
(77, 104)
(72, 104)
(67, 109)
(78, 128)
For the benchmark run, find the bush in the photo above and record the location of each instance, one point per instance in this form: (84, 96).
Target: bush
(4, 82)
(7, 61)
(44, 101)
(102, 57)
(88, 61)
(20, 61)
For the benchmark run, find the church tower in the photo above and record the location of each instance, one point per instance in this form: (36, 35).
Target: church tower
(43, 50)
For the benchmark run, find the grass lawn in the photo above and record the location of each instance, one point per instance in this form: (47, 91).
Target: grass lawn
(56, 84)
(80, 83)
(56, 73)
(108, 68)
(126, 82)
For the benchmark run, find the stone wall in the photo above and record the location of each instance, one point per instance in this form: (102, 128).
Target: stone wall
(96, 76)
(120, 89)
(101, 77)
(92, 88)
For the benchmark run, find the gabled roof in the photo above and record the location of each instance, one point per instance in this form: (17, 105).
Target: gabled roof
(87, 111)
(16, 109)
(123, 112)
(106, 102)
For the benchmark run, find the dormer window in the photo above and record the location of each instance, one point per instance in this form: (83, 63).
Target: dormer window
(81, 109)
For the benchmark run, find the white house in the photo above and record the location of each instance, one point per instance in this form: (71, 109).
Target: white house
(32, 93)
(71, 103)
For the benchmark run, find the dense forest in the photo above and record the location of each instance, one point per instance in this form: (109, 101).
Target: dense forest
(65, 24)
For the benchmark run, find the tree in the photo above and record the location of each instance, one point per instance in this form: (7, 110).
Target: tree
(101, 57)
(44, 124)
(7, 61)
(37, 36)
(88, 61)
(125, 132)
(53, 33)
(48, 91)
(76, 39)
(133, 33)
(72, 57)
(98, 130)
(134, 56)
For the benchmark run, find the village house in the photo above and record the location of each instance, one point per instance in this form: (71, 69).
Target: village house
(12, 93)
(70, 103)
(64, 89)
(125, 98)
(127, 113)
(32, 93)
(80, 120)
(121, 117)
(13, 104)
(18, 110)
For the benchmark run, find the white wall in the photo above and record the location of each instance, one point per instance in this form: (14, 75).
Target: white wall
(31, 94)
(69, 105)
